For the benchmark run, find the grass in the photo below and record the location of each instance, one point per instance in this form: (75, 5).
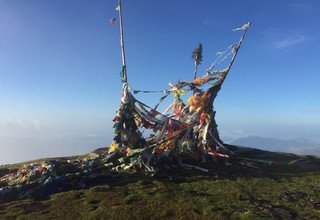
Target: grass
(288, 191)
(18, 165)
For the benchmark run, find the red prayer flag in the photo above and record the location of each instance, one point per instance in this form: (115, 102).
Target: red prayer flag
(113, 21)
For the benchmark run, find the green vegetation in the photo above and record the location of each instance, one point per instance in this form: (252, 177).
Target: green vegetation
(17, 165)
(289, 189)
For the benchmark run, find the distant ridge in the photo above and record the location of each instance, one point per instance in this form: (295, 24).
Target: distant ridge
(297, 146)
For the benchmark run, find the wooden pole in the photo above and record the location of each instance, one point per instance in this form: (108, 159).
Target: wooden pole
(124, 69)
(195, 71)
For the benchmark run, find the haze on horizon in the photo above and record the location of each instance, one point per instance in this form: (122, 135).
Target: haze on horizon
(59, 65)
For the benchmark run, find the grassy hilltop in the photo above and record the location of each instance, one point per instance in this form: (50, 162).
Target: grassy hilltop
(268, 185)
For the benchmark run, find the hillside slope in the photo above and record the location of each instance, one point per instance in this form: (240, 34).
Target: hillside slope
(267, 184)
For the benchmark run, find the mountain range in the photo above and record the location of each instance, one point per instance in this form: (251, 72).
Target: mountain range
(297, 146)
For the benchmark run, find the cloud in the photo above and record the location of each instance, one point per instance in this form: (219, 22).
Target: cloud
(7, 100)
(299, 6)
(91, 135)
(231, 135)
(210, 22)
(36, 123)
(280, 40)
(290, 41)
(12, 102)
(17, 127)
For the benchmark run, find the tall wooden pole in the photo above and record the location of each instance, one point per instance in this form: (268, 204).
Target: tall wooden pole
(124, 67)
(195, 71)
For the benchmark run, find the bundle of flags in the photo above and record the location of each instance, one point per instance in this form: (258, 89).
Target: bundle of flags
(183, 133)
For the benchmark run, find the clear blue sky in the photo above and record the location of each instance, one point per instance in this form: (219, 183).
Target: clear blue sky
(59, 65)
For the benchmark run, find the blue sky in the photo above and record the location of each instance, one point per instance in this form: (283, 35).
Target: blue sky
(59, 65)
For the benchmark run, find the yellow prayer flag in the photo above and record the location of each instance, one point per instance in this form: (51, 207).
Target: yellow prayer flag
(118, 8)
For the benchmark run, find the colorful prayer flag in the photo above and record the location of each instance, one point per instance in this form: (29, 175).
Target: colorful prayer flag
(244, 27)
(113, 21)
(118, 8)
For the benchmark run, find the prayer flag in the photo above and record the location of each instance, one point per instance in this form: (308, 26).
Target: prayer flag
(113, 21)
(244, 27)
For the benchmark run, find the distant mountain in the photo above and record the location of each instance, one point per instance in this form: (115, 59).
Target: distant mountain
(312, 150)
(298, 146)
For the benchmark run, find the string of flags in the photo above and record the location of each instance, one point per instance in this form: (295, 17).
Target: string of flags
(113, 20)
